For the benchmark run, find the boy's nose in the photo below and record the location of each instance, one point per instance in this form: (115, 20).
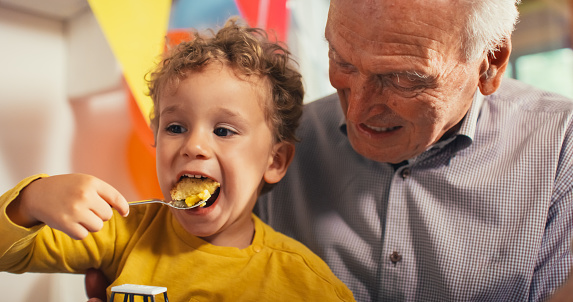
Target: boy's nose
(197, 146)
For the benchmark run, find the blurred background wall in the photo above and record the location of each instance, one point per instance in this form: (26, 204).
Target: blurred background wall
(542, 54)
(63, 104)
(62, 110)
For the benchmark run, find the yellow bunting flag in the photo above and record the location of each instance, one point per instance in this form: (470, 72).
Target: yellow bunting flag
(135, 31)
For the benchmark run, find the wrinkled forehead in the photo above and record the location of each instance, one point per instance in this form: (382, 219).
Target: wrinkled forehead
(426, 25)
(429, 18)
(379, 9)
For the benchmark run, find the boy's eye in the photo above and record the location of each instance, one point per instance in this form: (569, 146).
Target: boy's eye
(175, 129)
(220, 131)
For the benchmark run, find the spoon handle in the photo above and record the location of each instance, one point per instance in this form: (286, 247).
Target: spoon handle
(133, 203)
(179, 204)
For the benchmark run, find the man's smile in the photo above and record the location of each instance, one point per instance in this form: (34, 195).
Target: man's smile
(380, 129)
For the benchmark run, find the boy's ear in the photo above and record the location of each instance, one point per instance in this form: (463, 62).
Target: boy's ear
(282, 156)
(493, 67)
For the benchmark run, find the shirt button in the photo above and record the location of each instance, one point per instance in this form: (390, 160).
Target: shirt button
(257, 248)
(405, 173)
(395, 257)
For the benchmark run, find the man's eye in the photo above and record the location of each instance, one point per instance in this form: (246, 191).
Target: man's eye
(223, 132)
(406, 83)
(175, 129)
(342, 65)
(345, 66)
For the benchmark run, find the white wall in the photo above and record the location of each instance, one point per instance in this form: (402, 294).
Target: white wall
(62, 110)
(36, 121)
(307, 43)
(34, 112)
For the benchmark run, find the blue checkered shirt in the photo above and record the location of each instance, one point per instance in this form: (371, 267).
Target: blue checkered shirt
(484, 216)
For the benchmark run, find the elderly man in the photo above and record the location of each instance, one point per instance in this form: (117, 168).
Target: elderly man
(428, 177)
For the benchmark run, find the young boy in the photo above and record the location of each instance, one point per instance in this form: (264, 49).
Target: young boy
(226, 109)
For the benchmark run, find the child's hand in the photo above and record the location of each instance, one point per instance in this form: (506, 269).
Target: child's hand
(74, 204)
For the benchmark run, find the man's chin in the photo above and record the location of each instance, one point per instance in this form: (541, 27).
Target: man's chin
(382, 154)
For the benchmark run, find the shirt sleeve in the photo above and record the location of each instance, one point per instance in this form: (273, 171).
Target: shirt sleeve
(46, 250)
(16, 240)
(555, 259)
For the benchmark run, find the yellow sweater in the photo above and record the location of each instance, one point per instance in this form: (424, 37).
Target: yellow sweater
(149, 247)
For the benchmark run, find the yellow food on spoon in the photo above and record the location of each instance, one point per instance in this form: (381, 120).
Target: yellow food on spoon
(194, 190)
(194, 199)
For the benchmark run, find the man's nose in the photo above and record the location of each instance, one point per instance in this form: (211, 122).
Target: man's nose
(362, 93)
(197, 144)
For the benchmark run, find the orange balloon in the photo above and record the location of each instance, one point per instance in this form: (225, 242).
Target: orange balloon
(176, 36)
(141, 152)
(141, 164)
(139, 123)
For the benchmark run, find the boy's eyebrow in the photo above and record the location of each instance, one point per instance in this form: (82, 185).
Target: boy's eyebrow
(222, 110)
(227, 111)
(169, 109)
(232, 114)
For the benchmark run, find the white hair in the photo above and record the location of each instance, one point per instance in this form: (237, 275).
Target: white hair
(489, 24)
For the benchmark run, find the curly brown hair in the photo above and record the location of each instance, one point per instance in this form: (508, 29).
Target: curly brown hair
(248, 51)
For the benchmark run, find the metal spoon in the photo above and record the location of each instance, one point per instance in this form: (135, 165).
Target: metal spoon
(177, 204)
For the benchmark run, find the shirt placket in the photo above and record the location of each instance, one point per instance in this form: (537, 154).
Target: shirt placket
(397, 259)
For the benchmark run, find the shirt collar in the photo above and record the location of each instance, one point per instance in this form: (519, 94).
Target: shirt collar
(468, 127)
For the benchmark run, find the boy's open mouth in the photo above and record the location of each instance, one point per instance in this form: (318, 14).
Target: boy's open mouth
(213, 198)
(194, 190)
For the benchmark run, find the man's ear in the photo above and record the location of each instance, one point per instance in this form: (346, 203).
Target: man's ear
(282, 156)
(493, 67)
